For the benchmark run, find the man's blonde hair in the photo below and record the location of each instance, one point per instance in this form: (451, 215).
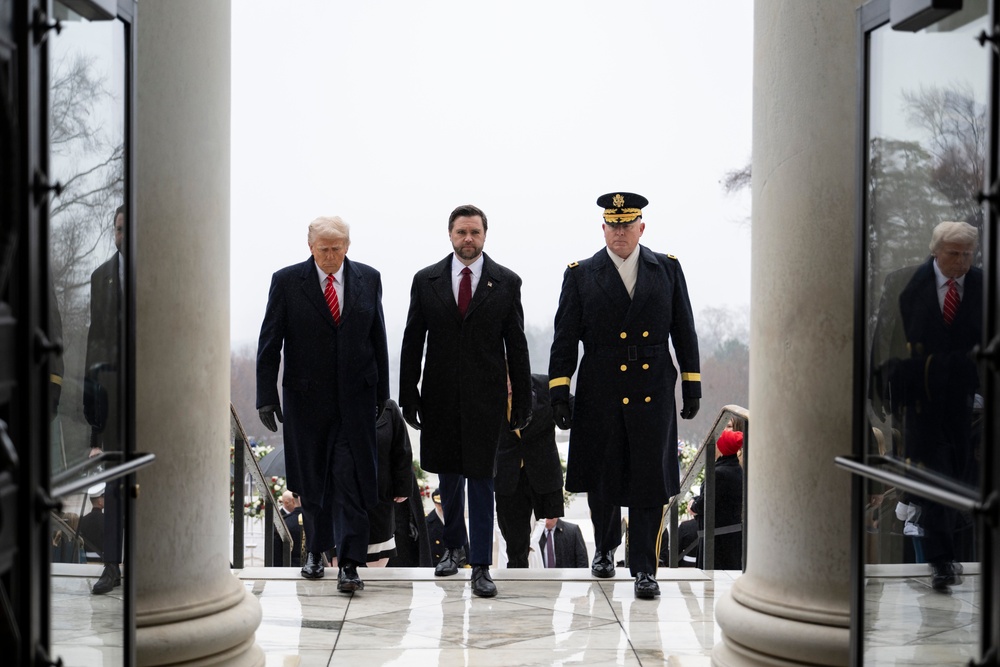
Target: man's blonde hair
(954, 232)
(325, 226)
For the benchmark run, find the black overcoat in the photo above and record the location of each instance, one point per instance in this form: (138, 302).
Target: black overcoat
(101, 377)
(463, 392)
(330, 370)
(624, 435)
(940, 378)
(535, 449)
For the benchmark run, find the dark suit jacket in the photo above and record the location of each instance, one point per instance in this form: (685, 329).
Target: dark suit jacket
(571, 551)
(332, 373)
(624, 435)
(536, 447)
(100, 389)
(463, 393)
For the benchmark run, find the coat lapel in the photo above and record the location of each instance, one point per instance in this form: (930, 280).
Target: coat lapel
(644, 283)
(487, 282)
(973, 293)
(353, 286)
(441, 286)
(606, 275)
(313, 292)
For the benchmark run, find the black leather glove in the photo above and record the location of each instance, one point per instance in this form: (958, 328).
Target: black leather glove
(690, 408)
(267, 416)
(411, 416)
(561, 416)
(519, 418)
(379, 409)
(414, 533)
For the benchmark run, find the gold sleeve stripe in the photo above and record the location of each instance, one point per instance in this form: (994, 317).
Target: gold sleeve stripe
(55, 379)
(558, 382)
(691, 377)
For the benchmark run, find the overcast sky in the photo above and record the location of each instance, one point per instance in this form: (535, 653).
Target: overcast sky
(390, 114)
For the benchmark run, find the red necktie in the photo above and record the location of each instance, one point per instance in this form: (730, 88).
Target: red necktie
(331, 299)
(550, 554)
(464, 291)
(951, 301)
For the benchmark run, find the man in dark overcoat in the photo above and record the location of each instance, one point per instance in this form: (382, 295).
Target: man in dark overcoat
(325, 314)
(468, 310)
(625, 304)
(529, 476)
(935, 387)
(102, 395)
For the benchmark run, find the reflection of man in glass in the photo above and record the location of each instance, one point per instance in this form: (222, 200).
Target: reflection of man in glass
(934, 388)
(100, 391)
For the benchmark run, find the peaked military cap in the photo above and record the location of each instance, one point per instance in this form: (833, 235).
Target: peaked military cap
(621, 208)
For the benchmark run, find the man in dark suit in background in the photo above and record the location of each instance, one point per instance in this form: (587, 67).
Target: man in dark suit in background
(625, 304)
(468, 309)
(935, 388)
(102, 395)
(325, 314)
(529, 476)
(568, 547)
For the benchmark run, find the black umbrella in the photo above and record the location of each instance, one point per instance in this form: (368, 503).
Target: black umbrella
(273, 463)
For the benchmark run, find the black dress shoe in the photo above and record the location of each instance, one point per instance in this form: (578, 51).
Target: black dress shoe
(348, 580)
(450, 562)
(646, 587)
(313, 569)
(482, 582)
(111, 577)
(603, 565)
(944, 577)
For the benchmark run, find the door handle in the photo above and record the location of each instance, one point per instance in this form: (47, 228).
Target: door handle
(990, 354)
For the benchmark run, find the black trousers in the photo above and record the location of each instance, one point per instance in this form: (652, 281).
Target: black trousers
(514, 517)
(340, 520)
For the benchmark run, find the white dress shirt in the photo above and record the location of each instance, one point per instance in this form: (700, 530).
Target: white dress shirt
(456, 273)
(942, 286)
(338, 283)
(628, 268)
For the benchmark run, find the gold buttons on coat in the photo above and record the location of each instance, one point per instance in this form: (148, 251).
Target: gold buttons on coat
(645, 367)
(648, 399)
(645, 334)
(624, 367)
(625, 401)
(623, 335)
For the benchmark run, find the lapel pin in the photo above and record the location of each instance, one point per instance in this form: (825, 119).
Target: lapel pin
(489, 283)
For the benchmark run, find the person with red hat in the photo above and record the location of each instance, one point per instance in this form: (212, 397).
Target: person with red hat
(728, 492)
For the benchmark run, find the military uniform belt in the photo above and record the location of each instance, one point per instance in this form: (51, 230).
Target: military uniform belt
(627, 352)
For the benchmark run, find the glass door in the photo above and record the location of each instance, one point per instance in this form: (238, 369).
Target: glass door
(923, 302)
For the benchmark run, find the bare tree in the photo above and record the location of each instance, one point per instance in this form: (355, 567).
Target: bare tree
(89, 160)
(736, 180)
(957, 128)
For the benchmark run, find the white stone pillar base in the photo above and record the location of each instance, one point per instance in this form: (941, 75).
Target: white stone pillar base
(751, 637)
(223, 637)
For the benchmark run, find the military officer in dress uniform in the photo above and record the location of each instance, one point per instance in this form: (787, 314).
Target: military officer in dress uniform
(624, 304)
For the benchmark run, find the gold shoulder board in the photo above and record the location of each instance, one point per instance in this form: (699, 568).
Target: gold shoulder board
(573, 265)
(672, 256)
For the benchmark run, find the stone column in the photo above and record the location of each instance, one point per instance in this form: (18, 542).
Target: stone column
(190, 609)
(792, 606)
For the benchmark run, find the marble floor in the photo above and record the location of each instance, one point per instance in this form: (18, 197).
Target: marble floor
(405, 617)
(540, 617)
